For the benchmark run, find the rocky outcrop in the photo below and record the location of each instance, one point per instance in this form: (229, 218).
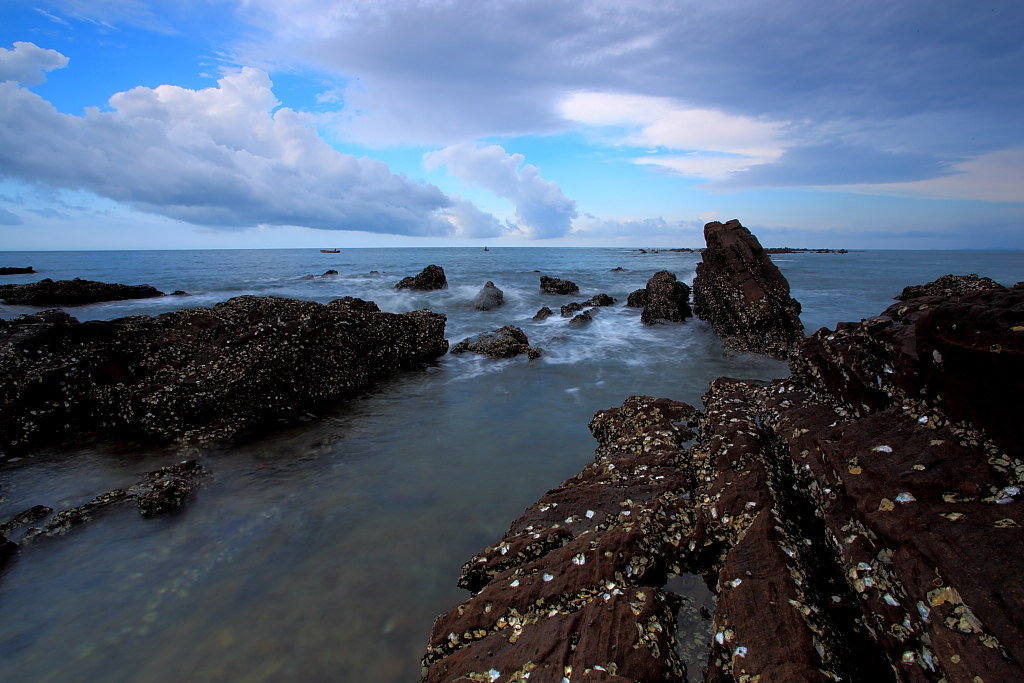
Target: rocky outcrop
(543, 314)
(504, 342)
(857, 521)
(73, 292)
(664, 298)
(582, 319)
(489, 297)
(742, 293)
(552, 285)
(949, 286)
(571, 309)
(430, 278)
(16, 270)
(197, 373)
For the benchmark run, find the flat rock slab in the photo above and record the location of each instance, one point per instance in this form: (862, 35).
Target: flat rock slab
(75, 292)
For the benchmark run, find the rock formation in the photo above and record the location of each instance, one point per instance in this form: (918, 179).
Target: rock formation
(574, 307)
(489, 297)
(430, 278)
(543, 313)
(16, 270)
(742, 293)
(664, 298)
(73, 292)
(197, 373)
(859, 520)
(949, 286)
(504, 342)
(552, 285)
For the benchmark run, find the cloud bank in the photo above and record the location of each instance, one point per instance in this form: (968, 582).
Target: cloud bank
(28, 63)
(226, 156)
(542, 209)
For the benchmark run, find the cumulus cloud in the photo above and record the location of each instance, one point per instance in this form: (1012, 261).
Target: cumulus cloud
(542, 209)
(27, 63)
(469, 221)
(222, 156)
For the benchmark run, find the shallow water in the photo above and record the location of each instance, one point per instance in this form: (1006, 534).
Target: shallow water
(324, 551)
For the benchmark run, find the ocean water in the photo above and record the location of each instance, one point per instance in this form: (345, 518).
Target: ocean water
(324, 551)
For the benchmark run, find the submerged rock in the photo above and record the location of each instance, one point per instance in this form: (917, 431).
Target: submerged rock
(197, 373)
(430, 278)
(742, 293)
(489, 297)
(73, 292)
(504, 342)
(863, 508)
(552, 285)
(665, 298)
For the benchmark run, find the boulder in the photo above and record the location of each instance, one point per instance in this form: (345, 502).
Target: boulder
(16, 270)
(637, 298)
(197, 373)
(430, 278)
(504, 342)
(552, 285)
(489, 297)
(860, 520)
(666, 298)
(543, 313)
(742, 293)
(73, 292)
(582, 319)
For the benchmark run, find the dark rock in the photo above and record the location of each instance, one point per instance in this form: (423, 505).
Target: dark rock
(15, 270)
(571, 309)
(8, 550)
(666, 298)
(179, 292)
(543, 313)
(552, 285)
(859, 521)
(504, 342)
(949, 286)
(618, 269)
(583, 319)
(599, 300)
(73, 292)
(802, 250)
(33, 514)
(489, 297)
(430, 278)
(198, 373)
(742, 293)
(329, 273)
(637, 298)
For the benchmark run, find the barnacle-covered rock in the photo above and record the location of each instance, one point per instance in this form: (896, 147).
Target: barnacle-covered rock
(553, 285)
(75, 292)
(504, 342)
(430, 278)
(665, 298)
(742, 293)
(197, 373)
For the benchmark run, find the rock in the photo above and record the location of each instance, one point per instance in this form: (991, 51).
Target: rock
(489, 297)
(198, 373)
(331, 272)
(618, 269)
(552, 285)
(637, 298)
(504, 342)
(949, 286)
(598, 300)
(430, 278)
(859, 520)
(179, 292)
(582, 319)
(543, 313)
(665, 298)
(743, 295)
(803, 250)
(8, 550)
(15, 270)
(73, 292)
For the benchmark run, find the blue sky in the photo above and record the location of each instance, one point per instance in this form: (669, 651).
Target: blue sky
(260, 123)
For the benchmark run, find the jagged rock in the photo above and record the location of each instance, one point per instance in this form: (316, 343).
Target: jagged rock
(504, 342)
(571, 309)
(489, 297)
(665, 298)
(637, 298)
(857, 521)
(582, 319)
(15, 270)
(197, 373)
(543, 313)
(430, 278)
(75, 292)
(552, 285)
(597, 300)
(949, 286)
(742, 293)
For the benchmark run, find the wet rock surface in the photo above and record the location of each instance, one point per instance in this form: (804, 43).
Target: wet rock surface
(505, 342)
(553, 285)
(430, 278)
(665, 298)
(75, 292)
(490, 296)
(742, 293)
(949, 286)
(198, 373)
(855, 521)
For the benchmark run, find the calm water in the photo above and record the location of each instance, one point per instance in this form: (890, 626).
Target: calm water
(326, 551)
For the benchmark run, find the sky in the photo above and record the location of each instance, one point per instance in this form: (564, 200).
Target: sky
(127, 124)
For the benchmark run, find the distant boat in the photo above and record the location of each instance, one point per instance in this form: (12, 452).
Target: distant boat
(330, 251)
(486, 249)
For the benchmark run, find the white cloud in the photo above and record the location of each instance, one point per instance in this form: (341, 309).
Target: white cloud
(469, 221)
(28, 63)
(222, 156)
(542, 209)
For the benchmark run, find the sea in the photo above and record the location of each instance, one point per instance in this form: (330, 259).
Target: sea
(324, 551)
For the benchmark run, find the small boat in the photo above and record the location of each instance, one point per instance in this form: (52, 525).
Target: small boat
(486, 249)
(330, 251)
